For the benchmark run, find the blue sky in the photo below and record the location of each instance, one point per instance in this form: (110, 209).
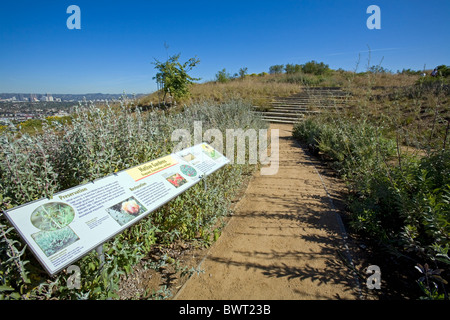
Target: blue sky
(118, 40)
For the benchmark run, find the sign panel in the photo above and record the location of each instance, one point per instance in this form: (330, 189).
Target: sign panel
(61, 230)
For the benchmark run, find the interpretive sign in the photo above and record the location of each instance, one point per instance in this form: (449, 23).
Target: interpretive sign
(61, 230)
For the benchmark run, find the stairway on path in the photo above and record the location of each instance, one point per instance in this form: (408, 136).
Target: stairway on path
(293, 108)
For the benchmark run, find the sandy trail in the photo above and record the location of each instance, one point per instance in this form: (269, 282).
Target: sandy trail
(282, 242)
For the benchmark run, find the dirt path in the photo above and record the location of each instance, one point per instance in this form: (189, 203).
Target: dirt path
(282, 242)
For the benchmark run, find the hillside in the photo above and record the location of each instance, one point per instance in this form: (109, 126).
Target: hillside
(388, 143)
(420, 104)
(262, 88)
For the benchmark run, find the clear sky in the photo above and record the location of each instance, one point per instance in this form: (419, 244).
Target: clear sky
(118, 40)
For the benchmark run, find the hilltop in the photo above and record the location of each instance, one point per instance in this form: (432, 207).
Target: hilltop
(261, 88)
(416, 95)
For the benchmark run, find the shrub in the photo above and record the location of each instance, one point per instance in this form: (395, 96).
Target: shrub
(443, 71)
(410, 72)
(223, 76)
(276, 69)
(173, 77)
(242, 73)
(317, 68)
(292, 68)
(403, 204)
(352, 147)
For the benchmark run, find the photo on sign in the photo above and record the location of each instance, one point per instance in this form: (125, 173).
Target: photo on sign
(210, 152)
(176, 179)
(52, 216)
(188, 170)
(189, 157)
(126, 210)
(51, 242)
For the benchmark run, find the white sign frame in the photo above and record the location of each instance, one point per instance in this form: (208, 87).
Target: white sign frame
(61, 230)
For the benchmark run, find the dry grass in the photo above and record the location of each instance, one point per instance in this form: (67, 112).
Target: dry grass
(251, 89)
(259, 90)
(418, 116)
(380, 80)
(392, 100)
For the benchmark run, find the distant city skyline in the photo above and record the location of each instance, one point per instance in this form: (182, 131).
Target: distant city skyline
(118, 41)
(48, 97)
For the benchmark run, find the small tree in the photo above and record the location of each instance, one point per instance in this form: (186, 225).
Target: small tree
(316, 68)
(378, 69)
(223, 76)
(173, 77)
(242, 72)
(293, 68)
(276, 69)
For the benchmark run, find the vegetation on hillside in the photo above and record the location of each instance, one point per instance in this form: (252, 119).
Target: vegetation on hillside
(281, 81)
(173, 78)
(391, 147)
(100, 141)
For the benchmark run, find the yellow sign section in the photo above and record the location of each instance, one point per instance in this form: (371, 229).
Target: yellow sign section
(152, 167)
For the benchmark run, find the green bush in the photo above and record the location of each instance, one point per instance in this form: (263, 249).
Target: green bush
(410, 72)
(292, 68)
(407, 207)
(276, 69)
(316, 68)
(223, 76)
(443, 71)
(172, 76)
(401, 202)
(352, 147)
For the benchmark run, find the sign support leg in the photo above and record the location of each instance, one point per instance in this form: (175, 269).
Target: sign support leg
(203, 177)
(100, 254)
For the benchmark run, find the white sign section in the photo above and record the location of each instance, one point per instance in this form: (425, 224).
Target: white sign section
(61, 230)
(204, 158)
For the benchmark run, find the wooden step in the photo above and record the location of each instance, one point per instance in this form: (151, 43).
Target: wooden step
(282, 115)
(290, 109)
(281, 120)
(282, 104)
(294, 108)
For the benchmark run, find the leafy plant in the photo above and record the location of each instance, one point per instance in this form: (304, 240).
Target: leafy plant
(398, 198)
(314, 67)
(430, 283)
(242, 72)
(173, 77)
(223, 76)
(443, 71)
(292, 68)
(276, 69)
